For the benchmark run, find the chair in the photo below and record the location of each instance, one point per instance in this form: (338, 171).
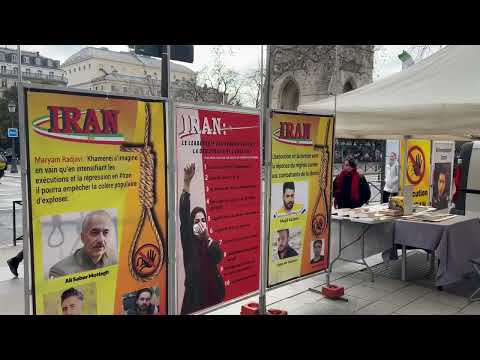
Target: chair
(476, 266)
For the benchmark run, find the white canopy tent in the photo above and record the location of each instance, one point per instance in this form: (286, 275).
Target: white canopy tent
(437, 98)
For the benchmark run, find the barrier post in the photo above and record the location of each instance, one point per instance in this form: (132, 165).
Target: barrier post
(267, 137)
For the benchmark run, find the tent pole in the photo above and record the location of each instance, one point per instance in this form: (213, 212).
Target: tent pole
(335, 83)
(382, 168)
(405, 162)
(335, 74)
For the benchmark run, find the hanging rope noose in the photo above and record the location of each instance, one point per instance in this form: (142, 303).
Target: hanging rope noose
(146, 262)
(319, 221)
(56, 225)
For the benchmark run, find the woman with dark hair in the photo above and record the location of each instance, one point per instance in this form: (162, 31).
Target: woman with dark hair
(350, 189)
(204, 286)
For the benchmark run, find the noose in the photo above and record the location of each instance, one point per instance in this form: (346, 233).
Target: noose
(146, 262)
(56, 225)
(320, 222)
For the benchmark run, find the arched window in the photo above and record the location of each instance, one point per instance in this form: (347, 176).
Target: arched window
(348, 86)
(290, 96)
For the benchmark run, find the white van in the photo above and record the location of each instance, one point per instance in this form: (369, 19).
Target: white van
(468, 202)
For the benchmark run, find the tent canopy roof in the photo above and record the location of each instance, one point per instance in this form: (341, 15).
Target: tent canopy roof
(437, 98)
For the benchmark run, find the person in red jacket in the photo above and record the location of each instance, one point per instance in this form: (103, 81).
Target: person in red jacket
(350, 189)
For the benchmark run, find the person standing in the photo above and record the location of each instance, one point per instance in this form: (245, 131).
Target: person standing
(350, 189)
(14, 262)
(204, 285)
(392, 172)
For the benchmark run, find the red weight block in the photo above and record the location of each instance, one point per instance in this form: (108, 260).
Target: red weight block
(333, 291)
(276, 312)
(250, 309)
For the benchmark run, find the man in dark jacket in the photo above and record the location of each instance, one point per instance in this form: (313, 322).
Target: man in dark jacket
(283, 247)
(350, 189)
(143, 303)
(204, 285)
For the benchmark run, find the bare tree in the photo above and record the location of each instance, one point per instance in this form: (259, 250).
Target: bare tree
(216, 82)
(420, 52)
(253, 94)
(228, 84)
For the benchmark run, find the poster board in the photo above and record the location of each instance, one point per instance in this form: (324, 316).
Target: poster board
(418, 171)
(442, 174)
(300, 203)
(223, 193)
(96, 178)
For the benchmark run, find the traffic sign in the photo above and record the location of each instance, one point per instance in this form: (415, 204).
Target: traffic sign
(12, 132)
(177, 52)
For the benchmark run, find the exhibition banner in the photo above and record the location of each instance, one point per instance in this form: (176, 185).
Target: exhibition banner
(302, 155)
(418, 170)
(218, 205)
(443, 157)
(97, 195)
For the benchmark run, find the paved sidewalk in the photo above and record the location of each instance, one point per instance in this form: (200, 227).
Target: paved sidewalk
(382, 297)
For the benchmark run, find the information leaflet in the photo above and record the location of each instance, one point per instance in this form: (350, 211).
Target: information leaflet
(218, 206)
(97, 193)
(302, 155)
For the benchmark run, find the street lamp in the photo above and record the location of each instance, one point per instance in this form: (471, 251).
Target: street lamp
(13, 169)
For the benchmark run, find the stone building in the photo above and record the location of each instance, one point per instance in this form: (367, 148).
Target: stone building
(305, 73)
(36, 69)
(122, 73)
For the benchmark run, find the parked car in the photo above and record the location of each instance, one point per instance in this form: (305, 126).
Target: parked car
(3, 165)
(7, 154)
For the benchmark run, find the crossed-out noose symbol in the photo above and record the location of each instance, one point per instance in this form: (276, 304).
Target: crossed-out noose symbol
(416, 162)
(145, 262)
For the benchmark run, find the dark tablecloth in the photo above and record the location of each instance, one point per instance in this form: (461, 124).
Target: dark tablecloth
(455, 242)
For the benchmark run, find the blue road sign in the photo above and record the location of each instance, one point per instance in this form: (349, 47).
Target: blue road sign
(12, 132)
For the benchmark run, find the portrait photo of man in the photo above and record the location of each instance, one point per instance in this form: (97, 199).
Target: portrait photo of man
(441, 186)
(71, 301)
(96, 236)
(317, 252)
(144, 303)
(288, 198)
(284, 250)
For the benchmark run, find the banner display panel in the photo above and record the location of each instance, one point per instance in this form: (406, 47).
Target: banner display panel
(443, 157)
(97, 190)
(218, 206)
(418, 171)
(302, 155)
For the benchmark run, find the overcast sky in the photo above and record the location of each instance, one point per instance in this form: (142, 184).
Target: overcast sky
(246, 56)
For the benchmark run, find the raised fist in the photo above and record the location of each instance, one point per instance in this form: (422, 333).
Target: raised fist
(189, 172)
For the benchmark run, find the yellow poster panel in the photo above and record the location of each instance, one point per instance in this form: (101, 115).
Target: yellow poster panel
(418, 171)
(96, 180)
(302, 153)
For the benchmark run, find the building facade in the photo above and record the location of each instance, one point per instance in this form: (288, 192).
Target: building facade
(35, 69)
(304, 73)
(121, 73)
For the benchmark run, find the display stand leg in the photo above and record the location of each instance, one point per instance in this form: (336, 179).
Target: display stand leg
(404, 263)
(330, 267)
(363, 258)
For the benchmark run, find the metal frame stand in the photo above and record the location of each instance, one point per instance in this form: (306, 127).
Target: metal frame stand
(433, 264)
(360, 237)
(477, 269)
(404, 262)
(15, 238)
